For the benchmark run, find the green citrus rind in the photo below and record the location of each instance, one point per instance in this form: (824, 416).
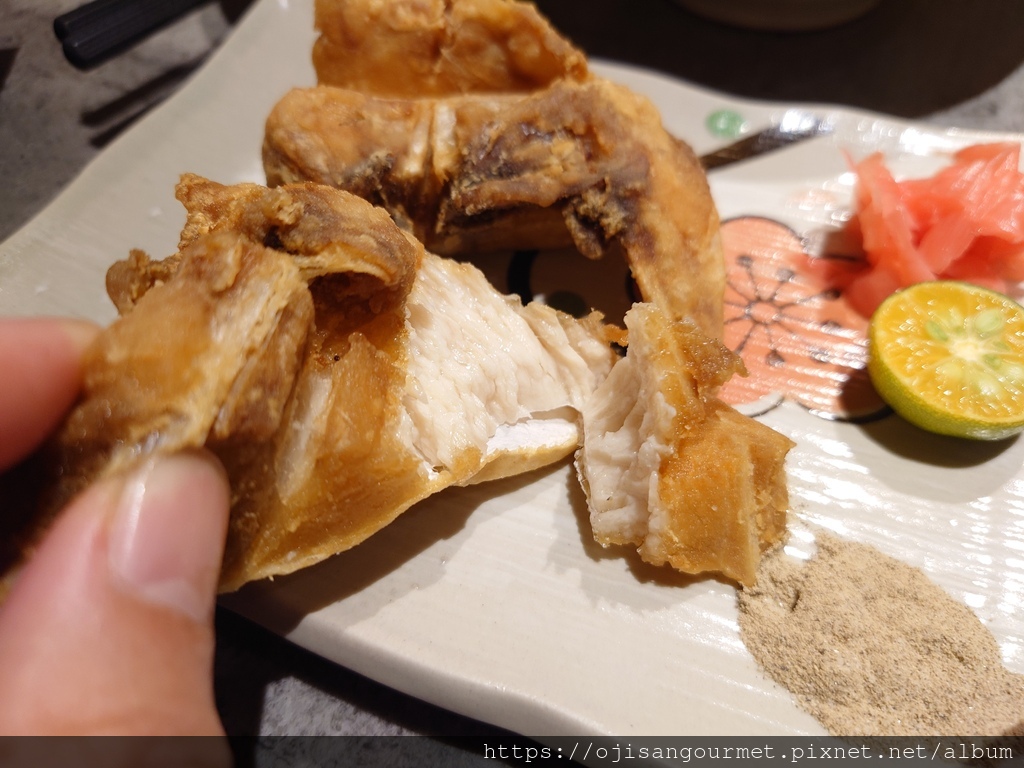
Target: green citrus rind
(949, 357)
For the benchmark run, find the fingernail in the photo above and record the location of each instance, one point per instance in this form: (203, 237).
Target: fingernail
(166, 539)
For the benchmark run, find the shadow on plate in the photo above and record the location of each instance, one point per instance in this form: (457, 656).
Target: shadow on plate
(438, 520)
(902, 438)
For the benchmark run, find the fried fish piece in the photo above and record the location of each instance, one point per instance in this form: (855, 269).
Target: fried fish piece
(571, 161)
(669, 468)
(339, 372)
(578, 163)
(408, 48)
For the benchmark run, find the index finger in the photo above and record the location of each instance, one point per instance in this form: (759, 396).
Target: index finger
(40, 378)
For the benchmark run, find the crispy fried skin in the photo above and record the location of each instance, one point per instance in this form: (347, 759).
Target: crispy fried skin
(406, 48)
(280, 325)
(575, 160)
(671, 469)
(339, 372)
(723, 498)
(584, 163)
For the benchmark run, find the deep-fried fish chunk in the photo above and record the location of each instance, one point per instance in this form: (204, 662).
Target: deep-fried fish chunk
(668, 468)
(437, 47)
(672, 470)
(339, 372)
(583, 163)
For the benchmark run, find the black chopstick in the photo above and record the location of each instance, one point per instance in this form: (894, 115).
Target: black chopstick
(101, 29)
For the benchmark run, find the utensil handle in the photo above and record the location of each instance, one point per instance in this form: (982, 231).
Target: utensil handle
(99, 30)
(795, 125)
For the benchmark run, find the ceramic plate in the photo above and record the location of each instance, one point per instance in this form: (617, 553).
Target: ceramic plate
(493, 601)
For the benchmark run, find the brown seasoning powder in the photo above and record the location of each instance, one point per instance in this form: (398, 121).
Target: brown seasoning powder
(870, 646)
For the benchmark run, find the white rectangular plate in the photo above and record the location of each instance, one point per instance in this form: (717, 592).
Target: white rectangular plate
(493, 601)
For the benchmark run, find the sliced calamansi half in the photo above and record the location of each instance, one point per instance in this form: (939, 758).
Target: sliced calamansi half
(949, 357)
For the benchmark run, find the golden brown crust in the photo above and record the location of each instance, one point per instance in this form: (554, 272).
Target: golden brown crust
(322, 232)
(286, 361)
(583, 163)
(295, 335)
(574, 161)
(407, 48)
(597, 154)
(338, 471)
(700, 487)
(377, 149)
(166, 389)
(724, 497)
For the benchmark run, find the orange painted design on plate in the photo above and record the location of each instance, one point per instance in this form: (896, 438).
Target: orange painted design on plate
(797, 336)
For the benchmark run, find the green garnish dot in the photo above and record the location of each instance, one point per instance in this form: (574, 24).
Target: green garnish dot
(725, 123)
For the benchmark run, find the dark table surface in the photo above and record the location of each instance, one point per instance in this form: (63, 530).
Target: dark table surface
(943, 62)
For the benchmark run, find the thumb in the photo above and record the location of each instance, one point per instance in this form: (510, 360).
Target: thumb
(109, 627)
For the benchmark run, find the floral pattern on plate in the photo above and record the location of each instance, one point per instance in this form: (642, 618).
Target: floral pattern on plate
(797, 336)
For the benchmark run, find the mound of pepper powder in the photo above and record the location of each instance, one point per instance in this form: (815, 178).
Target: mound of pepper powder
(870, 646)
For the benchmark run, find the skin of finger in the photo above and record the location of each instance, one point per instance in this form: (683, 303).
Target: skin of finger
(81, 655)
(41, 360)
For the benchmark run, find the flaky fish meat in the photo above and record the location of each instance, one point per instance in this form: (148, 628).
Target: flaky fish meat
(339, 371)
(669, 468)
(577, 163)
(411, 48)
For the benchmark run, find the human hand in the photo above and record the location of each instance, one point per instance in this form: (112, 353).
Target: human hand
(109, 626)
